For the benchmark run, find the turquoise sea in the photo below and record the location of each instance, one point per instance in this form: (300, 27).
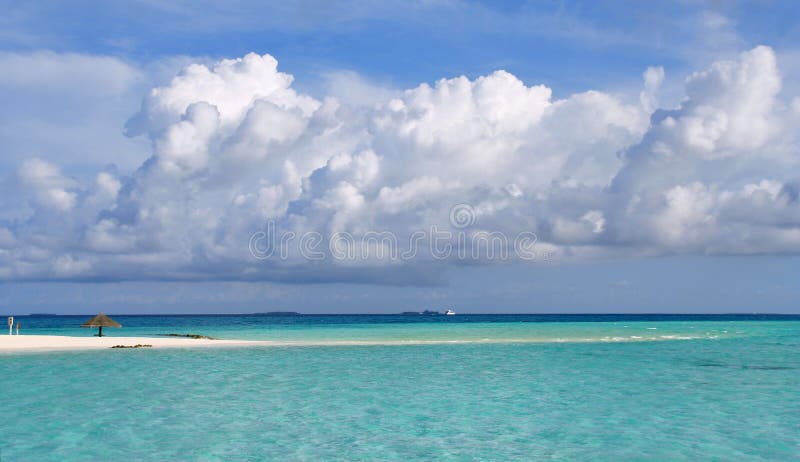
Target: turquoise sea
(469, 387)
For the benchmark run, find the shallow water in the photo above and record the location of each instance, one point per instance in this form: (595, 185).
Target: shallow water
(731, 392)
(391, 329)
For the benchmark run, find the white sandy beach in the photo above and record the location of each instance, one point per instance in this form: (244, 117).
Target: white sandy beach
(19, 343)
(24, 343)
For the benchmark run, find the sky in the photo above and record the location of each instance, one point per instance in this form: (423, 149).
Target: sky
(332, 157)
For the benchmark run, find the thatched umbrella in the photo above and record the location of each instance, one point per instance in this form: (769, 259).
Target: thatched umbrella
(101, 321)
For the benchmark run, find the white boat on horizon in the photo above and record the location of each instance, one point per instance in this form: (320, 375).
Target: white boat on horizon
(450, 313)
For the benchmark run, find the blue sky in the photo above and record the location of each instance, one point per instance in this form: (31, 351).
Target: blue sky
(569, 46)
(694, 215)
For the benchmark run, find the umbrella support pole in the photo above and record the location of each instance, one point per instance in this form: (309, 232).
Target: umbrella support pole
(100, 332)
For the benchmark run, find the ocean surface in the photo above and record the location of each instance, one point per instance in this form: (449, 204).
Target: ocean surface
(468, 387)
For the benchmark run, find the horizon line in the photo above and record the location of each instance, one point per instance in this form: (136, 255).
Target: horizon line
(412, 313)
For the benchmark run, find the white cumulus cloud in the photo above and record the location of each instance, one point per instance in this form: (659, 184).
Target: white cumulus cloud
(592, 174)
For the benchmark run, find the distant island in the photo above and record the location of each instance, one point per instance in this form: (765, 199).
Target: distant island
(279, 313)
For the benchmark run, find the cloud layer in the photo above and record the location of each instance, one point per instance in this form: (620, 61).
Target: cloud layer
(234, 146)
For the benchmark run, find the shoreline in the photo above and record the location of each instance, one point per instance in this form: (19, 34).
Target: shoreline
(44, 343)
(25, 343)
